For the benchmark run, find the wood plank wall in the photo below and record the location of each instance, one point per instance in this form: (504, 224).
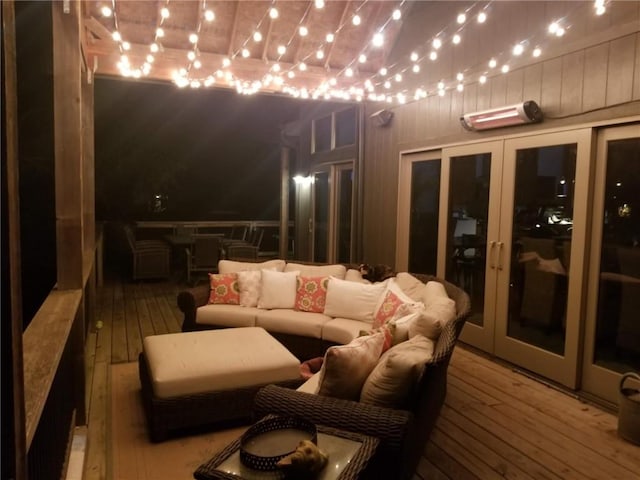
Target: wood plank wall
(592, 74)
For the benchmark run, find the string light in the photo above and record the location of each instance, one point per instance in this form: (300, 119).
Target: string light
(328, 89)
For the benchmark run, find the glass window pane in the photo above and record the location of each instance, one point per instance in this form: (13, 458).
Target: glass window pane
(467, 235)
(346, 127)
(322, 135)
(618, 315)
(423, 228)
(542, 229)
(321, 216)
(345, 192)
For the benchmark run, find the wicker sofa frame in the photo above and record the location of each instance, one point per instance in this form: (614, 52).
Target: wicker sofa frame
(403, 433)
(168, 415)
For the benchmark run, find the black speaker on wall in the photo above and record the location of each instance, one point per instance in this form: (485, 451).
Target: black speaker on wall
(382, 118)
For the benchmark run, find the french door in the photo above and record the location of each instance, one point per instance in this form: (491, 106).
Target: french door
(612, 337)
(511, 215)
(332, 221)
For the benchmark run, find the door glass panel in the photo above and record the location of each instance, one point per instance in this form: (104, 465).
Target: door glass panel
(320, 216)
(467, 227)
(423, 228)
(542, 229)
(617, 341)
(345, 189)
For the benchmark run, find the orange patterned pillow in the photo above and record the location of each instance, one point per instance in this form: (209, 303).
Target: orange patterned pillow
(311, 293)
(224, 288)
(387, 309)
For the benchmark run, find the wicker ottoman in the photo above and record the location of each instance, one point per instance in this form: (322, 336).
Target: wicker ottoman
(200, 378)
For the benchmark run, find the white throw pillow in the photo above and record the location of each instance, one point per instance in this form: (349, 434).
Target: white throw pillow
(353, 300)
(410, 285)
(278, 289)
(391, 381)
(250, 283)
(401, 321)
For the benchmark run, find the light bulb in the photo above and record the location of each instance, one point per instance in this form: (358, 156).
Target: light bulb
(437, 43)
(197, 64)
(416, 68)
(456, 39)
(191, 56)
(433, 56)
(398, 77)
(273, 13)
(483, 79)
(378, 40)
(257, 37)
(440, 85)
(459, 76)
(154, 47)
(159, 32)
(193, 38)
(245, 53)
(209, 16)
(493, 63)
(396, 14)
(518, 49)
(116, 36)
(362, 58)
(459, 87)
(330, 37)
(150, 58)
(349, 72)
(319, 54)
(383, 71)
(319, 4)
(281, 49)
(302, 66)
(537, 52)
(461, 18)
(482, 17)
(304, 31)
(505, 68)
(276, 67)
(387, 84)
(106, 11)
(414, 56)
(356, 20)
(164, 12)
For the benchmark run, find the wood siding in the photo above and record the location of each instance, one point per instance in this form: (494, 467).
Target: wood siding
(592, 75)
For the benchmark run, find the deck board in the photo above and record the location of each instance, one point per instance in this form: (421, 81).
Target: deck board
(496, 422)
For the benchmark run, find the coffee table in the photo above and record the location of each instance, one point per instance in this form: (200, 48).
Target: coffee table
(349, 453)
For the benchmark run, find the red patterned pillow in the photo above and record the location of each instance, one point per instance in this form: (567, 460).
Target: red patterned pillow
(387, 309)
(224, 288)
(311, 293)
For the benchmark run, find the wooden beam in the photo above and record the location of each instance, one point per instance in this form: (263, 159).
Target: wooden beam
(234, 29)
(67, 73)
(13, 407)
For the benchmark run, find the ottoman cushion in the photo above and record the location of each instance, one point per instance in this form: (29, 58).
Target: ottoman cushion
(193, 362)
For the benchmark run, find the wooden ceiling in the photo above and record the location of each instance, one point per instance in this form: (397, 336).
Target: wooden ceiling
(233, 30)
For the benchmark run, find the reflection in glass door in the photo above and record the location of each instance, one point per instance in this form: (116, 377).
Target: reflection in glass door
(423, 227)
(321, 209)
(613, 332)
(333, 214)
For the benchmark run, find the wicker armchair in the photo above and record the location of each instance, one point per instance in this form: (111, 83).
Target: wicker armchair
(403, 433)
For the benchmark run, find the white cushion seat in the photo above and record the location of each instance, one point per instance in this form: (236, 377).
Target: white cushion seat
(281, 320)
(222, 315)
(343, 330)
(187, 363)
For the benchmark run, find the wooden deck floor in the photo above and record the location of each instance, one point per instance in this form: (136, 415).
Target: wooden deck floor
(496, 422)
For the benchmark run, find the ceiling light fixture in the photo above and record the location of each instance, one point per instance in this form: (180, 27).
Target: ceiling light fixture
(518, 114)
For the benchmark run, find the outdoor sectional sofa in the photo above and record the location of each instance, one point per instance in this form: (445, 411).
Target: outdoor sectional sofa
(403, 429)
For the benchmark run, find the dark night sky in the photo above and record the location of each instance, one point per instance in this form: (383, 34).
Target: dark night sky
(212, 152)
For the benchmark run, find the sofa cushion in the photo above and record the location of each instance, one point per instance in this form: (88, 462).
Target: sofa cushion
(311, 385)
(343, 330)
(346, 367)
(311, 293)
(224, 288)
(250, 285)
(432, 319)
(353, 300)
(289, 321)
(410, 285)
(335, 270)
(433, 291)
(226, 316)
(230, 266)
(397, 371)
(278, 289)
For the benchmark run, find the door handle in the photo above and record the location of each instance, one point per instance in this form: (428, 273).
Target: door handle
(492, 263)
(500, 245)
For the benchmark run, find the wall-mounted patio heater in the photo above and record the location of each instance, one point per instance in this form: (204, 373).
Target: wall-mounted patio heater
(521, 113)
